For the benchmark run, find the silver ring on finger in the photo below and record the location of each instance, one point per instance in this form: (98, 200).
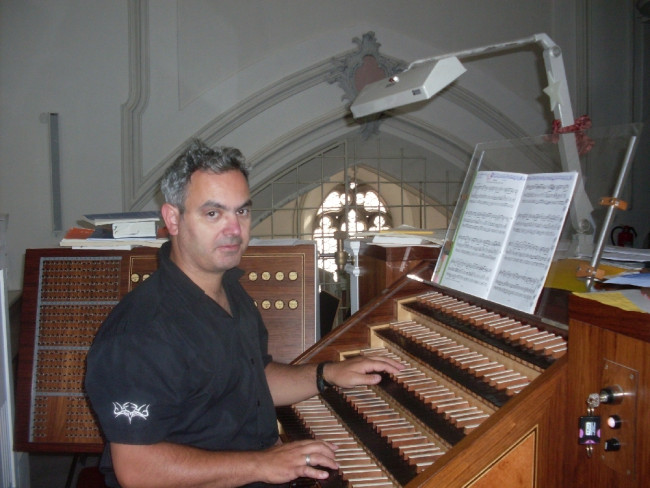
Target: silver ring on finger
(307, 460)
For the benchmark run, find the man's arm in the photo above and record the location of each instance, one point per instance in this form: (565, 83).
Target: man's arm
(293, 383)
(177, 466)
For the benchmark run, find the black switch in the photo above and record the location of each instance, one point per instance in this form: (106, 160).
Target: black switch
(612, 444)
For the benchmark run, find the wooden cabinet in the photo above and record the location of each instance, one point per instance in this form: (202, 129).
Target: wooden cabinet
(67, 294)
(382, 266)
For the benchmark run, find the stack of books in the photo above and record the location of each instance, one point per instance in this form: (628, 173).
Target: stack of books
(122, 230)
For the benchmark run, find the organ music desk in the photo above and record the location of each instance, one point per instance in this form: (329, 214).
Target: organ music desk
(491, 397)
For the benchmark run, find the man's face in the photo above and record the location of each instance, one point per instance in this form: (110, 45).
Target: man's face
(213, 232)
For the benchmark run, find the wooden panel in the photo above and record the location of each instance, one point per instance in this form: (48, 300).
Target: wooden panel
(515, 468)
(68, 293)
(281, 280)
(609, 347)
(382, 266)
(354, 333)
(66, 296)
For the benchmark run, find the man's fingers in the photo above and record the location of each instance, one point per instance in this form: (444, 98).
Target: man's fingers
(363, 370)
(388, 365)
(317, 459)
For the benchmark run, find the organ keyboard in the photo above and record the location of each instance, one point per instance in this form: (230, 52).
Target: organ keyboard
(491, 397)
(463, 363)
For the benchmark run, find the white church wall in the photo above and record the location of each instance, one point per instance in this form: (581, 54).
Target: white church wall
(211, 63)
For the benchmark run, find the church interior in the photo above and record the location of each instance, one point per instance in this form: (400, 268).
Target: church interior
(98, 98)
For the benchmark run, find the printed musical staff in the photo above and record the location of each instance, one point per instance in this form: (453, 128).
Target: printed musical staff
(507, 237)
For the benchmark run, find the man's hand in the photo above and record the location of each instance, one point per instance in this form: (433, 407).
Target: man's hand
(178, 466)
(360, 371)
(287, 462)
(291, 384)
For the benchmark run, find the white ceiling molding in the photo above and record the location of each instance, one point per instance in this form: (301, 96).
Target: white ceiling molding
(486, 112)
(338, 125)
(347, 73)
(132, 175)
(139, 188)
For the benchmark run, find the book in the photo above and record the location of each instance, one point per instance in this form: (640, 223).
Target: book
(128, 224)
(507, 236)
(127, 229)
(628, 254)
(102, 238)
(75, 235)
(111, 218)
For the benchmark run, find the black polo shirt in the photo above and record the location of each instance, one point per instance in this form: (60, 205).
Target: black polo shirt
(169, 364)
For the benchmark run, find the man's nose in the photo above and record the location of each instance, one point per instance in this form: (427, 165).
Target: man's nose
(233, 225)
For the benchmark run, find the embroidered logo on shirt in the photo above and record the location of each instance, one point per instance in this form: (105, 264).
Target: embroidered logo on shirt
(130, 410)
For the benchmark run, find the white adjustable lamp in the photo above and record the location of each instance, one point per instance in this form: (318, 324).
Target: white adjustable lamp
(418, 82)
(423, 78)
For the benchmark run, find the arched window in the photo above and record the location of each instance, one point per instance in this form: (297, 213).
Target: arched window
(349, 210)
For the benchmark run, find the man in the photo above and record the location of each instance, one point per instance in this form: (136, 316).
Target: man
(179, 374)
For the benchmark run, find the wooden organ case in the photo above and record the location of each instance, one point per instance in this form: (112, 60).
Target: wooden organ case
(68, 293)
(490, 397)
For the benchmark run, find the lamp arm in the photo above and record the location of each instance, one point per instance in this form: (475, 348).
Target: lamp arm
(553, 63)
(558, 92)
(560, 104)
(490, 49)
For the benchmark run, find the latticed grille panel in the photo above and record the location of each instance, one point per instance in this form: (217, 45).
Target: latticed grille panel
(75, 295)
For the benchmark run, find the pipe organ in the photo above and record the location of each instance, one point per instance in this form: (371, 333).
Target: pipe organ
(67, 294)
(488, 397)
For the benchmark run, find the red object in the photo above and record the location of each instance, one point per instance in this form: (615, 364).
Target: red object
(624, 237)
(583, 141)
(90, 477)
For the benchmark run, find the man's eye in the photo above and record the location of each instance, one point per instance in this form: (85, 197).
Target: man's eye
(244, 211)
(212, 213)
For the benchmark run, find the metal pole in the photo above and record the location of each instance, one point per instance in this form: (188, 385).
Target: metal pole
(604, 232)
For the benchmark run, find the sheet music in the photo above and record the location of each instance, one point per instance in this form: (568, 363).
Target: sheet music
(507, 236)
(533, 239)
(480, 239)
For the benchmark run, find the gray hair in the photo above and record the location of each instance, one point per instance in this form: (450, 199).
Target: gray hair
(198, 157)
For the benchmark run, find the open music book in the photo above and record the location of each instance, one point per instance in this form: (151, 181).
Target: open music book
(507, 235)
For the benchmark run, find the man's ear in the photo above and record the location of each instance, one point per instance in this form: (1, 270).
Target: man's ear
(172, 216)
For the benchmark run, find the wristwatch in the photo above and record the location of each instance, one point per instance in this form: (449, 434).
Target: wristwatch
(321, 383)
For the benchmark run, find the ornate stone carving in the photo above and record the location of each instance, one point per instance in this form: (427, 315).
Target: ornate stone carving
(356, 70)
